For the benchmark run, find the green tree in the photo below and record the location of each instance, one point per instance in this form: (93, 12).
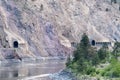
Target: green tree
(116, 49)
(68, 61)
(85, 56)
(82, 48)
(103, 52)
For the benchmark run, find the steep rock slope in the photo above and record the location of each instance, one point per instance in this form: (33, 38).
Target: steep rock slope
(48, 27)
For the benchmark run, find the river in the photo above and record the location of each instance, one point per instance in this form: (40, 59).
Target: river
(39, 69)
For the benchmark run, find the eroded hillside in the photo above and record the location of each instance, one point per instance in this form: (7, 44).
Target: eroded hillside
(48, 27)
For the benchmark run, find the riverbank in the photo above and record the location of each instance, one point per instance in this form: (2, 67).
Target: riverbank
(67, 75)
(63, 75)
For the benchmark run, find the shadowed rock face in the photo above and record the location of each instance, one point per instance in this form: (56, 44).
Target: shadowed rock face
(48, 27)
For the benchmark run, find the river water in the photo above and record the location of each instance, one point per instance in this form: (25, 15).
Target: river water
(30, 69)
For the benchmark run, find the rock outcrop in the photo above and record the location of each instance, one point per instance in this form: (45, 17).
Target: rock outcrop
(49, 27)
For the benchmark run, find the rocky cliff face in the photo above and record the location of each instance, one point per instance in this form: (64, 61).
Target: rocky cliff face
(48, 27)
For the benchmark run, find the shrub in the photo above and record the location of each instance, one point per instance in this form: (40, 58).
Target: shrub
(68, 62)
(90, 70)
(102, 53)
(113, 70)
(102, 72)
(116, 70)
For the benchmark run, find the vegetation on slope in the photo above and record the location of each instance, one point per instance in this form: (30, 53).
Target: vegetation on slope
(87, 60)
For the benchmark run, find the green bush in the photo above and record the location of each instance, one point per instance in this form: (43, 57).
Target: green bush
(97, 71)
(103, 53)
(109, 74)
(116, 70)
(113, 61)
(113, 70)
(68, 63)
(102, 72)
(90, 70)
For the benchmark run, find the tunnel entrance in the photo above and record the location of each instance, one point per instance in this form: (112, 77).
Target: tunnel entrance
(15, 44)
(93, 42)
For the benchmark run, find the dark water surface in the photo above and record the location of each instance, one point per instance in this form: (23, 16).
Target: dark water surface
(30, 69)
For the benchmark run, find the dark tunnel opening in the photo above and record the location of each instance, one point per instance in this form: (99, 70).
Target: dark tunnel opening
(15, 44)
